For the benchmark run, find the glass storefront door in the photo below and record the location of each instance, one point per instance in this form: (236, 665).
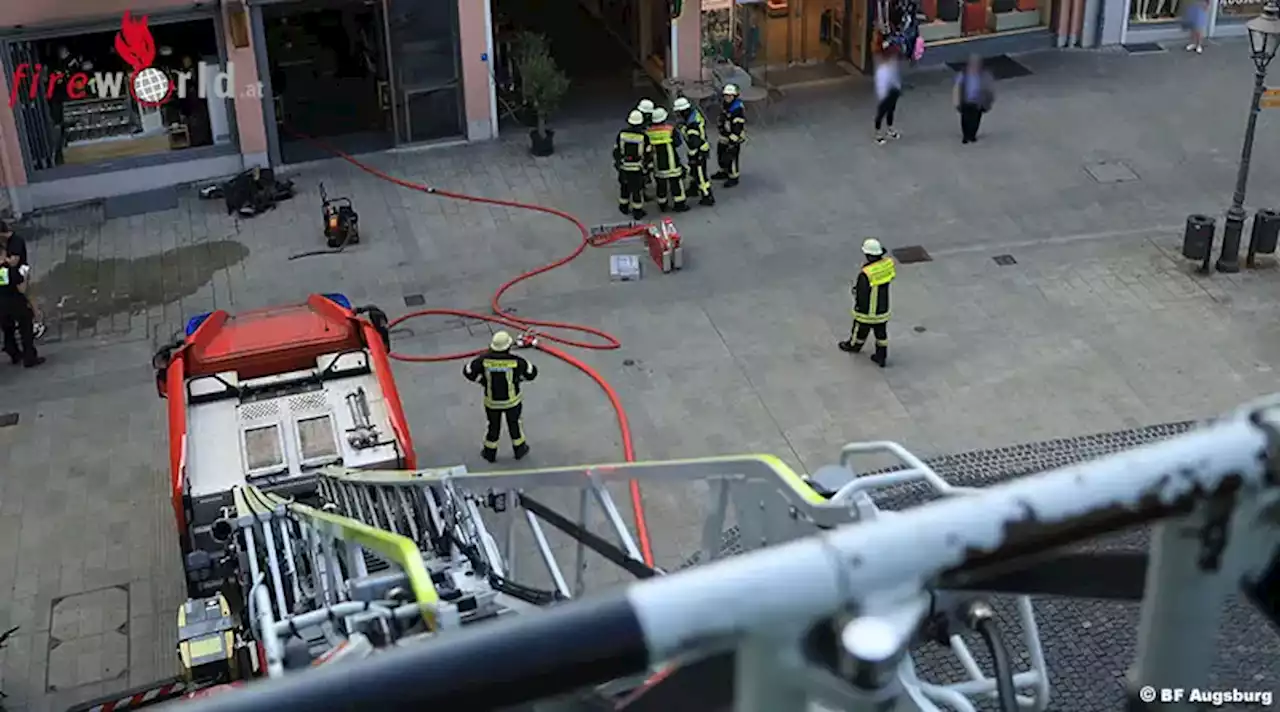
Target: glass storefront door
(426, 72)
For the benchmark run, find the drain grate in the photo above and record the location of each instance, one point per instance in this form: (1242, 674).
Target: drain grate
(414, 300)
(1144, 48)
(1005, 260)
(8, 420)
(911, 254)
(1110, 172)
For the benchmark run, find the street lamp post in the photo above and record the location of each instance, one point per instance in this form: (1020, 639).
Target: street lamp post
(1264, 40)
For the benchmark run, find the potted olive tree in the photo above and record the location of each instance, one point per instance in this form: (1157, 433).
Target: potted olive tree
(542, 86)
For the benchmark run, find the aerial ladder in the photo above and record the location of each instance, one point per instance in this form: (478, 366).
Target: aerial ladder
(524, 590)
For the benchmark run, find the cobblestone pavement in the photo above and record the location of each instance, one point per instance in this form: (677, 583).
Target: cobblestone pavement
(1097, 326)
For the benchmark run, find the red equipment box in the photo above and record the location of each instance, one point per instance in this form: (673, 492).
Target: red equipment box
(665, 249)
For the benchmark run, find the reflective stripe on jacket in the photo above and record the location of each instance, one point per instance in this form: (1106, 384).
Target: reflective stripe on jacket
(666, 162)
(871, 292)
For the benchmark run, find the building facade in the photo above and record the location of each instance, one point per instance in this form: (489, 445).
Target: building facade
(1139, 21)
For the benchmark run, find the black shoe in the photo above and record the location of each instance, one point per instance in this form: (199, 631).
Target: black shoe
(880, 359)
(849, 347)
(719, 175)
(964, 141)
(638, 214)
(707, 200)
(34, 362)
(489, 455)
(681, 208)
(731, 182)
(624, 209)
(521, 450)
(14, 359)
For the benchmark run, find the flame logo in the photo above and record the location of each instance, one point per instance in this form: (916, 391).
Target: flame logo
(134, 42)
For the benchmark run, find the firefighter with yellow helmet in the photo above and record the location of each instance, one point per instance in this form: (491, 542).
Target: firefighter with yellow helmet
(693, 129)
(501, 373)
(871, 302)
(733, 133)
(632, 153)
(668, 171)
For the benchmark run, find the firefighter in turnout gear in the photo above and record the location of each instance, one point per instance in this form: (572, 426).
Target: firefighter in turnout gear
(646, 108)
(693, 130)
(631, 155)
(668, 172)
(871, 302)
(501, 373)
(733, 132)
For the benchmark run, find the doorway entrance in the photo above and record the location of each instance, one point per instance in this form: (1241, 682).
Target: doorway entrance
(329, 77)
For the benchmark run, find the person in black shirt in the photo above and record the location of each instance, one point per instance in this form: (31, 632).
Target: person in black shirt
(16, 319)
(501, 373)
(17, 248)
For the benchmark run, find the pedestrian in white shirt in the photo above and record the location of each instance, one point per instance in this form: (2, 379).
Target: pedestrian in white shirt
(888, 89)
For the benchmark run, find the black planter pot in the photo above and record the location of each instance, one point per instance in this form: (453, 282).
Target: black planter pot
(542, 144)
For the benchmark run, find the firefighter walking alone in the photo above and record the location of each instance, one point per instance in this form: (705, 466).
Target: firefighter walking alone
(871, 303)
(501, 373)
(668, 172)
(733, 132)
(631, 153)
(693, 130)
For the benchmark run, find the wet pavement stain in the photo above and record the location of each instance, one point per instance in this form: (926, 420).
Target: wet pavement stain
(89, 289)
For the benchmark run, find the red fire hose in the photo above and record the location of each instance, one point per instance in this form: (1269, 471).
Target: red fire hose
(536, 327)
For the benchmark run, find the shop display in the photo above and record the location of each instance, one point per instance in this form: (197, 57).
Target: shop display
(944, 20)
(1155, 10)
(87, 120)
(1240, 9)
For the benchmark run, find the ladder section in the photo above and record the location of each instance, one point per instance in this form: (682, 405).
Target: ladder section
(311, 594)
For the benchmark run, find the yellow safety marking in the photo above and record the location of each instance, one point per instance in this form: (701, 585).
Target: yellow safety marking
(776, 466)
(397, 549)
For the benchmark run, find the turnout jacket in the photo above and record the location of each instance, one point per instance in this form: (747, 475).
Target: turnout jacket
(871, 291)
(664, 140)
(733, 122)
(501, 373)
(632, 150)
(694, 131)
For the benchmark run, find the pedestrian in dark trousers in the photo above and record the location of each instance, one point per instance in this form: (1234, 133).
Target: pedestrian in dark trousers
(17, 325)
(888, 89)
(973, 96)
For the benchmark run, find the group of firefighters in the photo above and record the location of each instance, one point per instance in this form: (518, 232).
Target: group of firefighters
(646, 152)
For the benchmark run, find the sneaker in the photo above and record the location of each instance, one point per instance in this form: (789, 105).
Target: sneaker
(1199, 49)
(38, 329)
(1191, 47)
(893, 134)
(880, 139)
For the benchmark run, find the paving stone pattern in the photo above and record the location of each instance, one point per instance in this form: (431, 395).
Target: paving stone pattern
(1098, 326)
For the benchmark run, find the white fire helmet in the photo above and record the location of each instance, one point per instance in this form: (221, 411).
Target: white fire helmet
(645, 106)
(635, 118)
(730, 89)
(659, 115)
(681, 103)
(872, 247)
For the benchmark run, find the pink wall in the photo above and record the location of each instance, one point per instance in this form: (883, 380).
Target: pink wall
(250, 122)
(474, 43)
(689, 41)
(12, 172)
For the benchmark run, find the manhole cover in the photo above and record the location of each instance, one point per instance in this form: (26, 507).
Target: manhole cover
(414, 300)
(1143, 48)
(911, 254)
(1005, 260)
(1110, 172)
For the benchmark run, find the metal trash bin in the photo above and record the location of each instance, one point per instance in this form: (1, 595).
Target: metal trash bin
(1198, 238)
(1266, 232)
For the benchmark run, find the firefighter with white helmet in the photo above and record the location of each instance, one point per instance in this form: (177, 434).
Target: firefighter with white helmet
(631, 156)
(693, 129)
(646, 108)
(501, 373)
(733, 132)
(668, 171)
(871, 302)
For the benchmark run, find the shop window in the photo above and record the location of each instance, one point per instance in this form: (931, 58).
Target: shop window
(1157, 10)
(943, 20)
(1239, 9)
(78, 110)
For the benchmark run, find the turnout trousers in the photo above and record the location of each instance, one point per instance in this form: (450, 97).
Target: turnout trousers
(631, 192)
(671, 191)
(515, 427)
(699, 181)
(861, 330)
(728, 155)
